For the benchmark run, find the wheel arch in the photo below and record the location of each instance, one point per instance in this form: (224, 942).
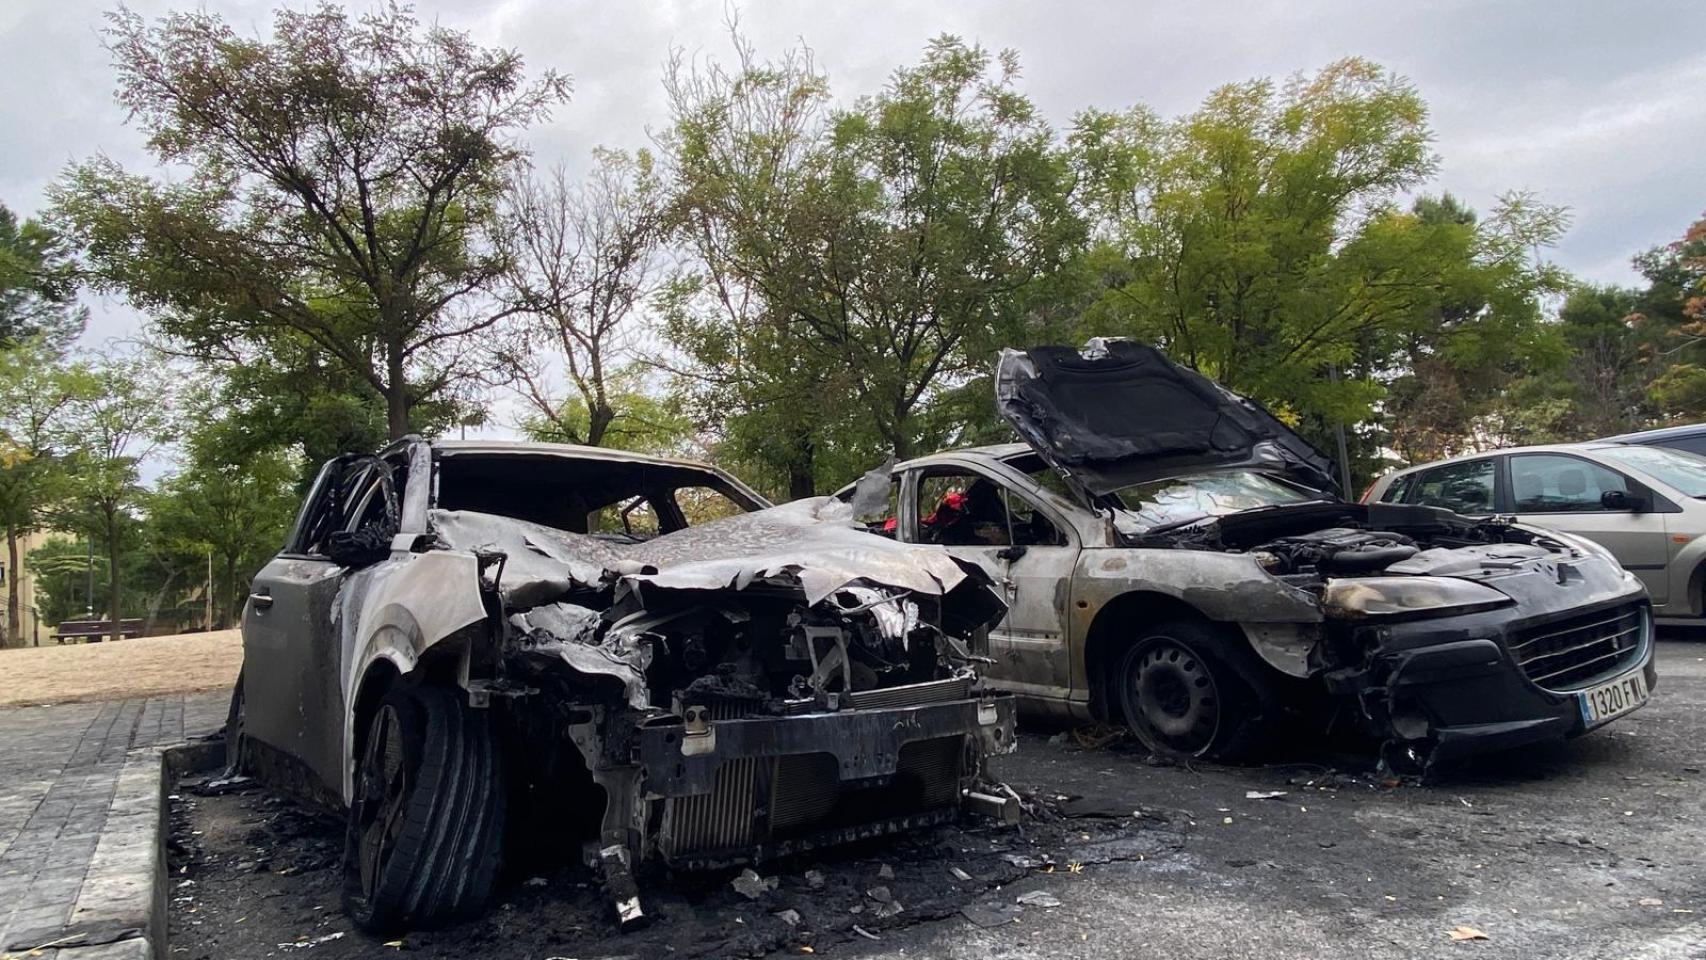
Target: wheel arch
(1110, 633)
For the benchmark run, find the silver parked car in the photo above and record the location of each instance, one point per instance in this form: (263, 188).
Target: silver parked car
(1642, 502)
(1173, 557)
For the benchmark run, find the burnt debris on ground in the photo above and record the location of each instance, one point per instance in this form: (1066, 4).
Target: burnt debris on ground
(253, 874)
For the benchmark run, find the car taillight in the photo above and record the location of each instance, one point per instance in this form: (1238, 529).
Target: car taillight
(1366, 491)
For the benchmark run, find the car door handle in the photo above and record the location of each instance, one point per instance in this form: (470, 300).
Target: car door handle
(260, 601)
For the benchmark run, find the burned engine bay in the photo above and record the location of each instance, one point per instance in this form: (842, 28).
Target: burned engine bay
(1309, 543)
(734, 691)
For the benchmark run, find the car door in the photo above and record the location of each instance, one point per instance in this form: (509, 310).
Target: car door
(1469, 487)
(1566, 492)
(292, 647)
(1028, 552)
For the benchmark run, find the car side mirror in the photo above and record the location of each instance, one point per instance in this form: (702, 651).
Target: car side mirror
(1620, 500)
(1012, 553)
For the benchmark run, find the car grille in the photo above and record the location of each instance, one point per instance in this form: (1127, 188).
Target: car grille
(1570, 653)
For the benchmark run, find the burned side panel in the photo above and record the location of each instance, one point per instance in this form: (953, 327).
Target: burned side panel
(1281, 621)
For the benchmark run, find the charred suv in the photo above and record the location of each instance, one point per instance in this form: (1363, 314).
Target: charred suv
(1173, 557)
(474, 647)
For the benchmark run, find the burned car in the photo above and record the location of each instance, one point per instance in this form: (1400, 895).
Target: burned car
(471, 645)
(1174, 558)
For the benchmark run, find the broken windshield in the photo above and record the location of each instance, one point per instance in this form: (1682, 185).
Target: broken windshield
(1180, 500)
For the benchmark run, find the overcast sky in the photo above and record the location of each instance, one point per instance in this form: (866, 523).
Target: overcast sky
(1600, 106)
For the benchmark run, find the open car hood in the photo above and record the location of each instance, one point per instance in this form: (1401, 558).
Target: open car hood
(1118, 412)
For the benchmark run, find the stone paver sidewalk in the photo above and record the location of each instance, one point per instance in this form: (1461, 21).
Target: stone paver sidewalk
(80, 819)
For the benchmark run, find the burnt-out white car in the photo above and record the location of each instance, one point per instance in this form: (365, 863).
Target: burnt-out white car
(470, 647)
(1175, 558)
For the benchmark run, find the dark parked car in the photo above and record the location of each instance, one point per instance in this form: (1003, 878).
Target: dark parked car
(474, 646)
(1173, 557)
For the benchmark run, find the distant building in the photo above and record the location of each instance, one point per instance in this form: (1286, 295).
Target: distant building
(34, 632)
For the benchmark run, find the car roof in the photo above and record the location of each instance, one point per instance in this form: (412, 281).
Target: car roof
(988, 451)
(1660, 434)
(1586, 446)
(573, 451)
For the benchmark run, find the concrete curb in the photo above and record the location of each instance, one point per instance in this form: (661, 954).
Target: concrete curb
(120, 909)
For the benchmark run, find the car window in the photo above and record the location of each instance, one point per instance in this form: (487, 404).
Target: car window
(1551, 483)
(704, 504)
(1399, 489)
(1684, 471)
(961, 509)
(1465, 487)
(632, 516)
(1031, 527)
(968, 509)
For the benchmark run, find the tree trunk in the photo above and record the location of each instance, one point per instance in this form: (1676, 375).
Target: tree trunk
(802, 479)
(228, 608)
(14, 615)
(598, 420)
(396, 392)
(113, 596)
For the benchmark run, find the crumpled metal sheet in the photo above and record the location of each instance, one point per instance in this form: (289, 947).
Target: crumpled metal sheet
(543, 562)
(813, 542)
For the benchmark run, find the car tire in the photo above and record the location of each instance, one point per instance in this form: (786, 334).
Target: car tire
(425, 827)
(236, 744)
(1182, 696)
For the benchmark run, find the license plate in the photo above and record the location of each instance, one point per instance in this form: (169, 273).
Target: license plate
(1612, 699)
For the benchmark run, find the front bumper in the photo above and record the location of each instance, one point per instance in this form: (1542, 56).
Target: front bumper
(756, 788)
(1445, 688)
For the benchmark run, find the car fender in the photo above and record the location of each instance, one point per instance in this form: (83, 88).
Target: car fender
(397, 610)
(1280, 621)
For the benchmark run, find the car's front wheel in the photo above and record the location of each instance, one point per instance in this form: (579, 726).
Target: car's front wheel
(425, 830)
(1181, 696)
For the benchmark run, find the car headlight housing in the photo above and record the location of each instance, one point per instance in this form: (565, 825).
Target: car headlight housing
(1409, 596)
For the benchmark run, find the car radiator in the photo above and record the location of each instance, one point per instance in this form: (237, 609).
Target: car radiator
(1575, 652)
(758, 802)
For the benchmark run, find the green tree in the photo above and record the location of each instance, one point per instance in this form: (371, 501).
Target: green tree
(34, 395)
(1670, 316)
(38, 285)
(119, 411)
(341, 191)
(236, 514)
(861, 259)
(1257, 240)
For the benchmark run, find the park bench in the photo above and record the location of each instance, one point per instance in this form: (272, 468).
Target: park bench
(96, 630)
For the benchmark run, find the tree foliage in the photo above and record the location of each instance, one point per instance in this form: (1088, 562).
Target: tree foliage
(1257, 240)
(857, 260)
(341, 189)
(38, 288)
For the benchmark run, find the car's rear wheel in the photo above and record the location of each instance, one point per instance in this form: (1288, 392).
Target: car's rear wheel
(425, 830)
(1182, 697)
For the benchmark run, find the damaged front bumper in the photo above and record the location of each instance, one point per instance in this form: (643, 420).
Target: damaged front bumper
(1444, 688)
(756, 788)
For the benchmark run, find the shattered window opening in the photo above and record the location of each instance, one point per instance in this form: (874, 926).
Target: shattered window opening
(1183, 499)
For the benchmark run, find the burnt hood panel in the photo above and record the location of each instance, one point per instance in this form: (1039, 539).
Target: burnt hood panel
(1119, 412)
